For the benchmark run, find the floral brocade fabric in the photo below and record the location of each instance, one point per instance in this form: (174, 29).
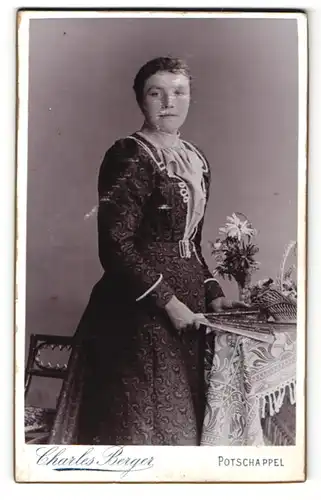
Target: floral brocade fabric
(132, 378)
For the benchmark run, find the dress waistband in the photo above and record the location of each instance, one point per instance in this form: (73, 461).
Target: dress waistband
(182, 248)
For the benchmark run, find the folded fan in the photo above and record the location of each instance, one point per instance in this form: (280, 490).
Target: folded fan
(264, 334)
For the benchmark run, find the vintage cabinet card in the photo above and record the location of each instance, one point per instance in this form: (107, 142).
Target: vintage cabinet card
(161, 246)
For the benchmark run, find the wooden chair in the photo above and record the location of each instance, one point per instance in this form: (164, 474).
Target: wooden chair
(42, 362)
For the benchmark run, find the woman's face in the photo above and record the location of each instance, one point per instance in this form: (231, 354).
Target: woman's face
(166, 99)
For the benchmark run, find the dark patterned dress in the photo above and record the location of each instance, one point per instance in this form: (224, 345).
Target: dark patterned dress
(132, 378)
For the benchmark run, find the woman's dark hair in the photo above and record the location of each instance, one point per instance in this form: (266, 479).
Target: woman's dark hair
(170, 64)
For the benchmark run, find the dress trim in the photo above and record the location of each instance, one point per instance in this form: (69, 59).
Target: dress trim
(150, 289)
(160, 164)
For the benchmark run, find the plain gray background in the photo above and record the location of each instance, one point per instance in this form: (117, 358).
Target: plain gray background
(243, 115)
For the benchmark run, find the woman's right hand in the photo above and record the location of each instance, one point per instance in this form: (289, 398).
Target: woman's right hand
(180, 315)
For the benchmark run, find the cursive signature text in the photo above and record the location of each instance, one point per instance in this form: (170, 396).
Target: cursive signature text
(109, 459)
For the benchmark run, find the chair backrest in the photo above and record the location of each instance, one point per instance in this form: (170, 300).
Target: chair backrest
(42, 347)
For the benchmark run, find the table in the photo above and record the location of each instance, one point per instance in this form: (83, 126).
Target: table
(250, 389)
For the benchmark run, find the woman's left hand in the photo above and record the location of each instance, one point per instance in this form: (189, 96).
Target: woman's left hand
(222, 304)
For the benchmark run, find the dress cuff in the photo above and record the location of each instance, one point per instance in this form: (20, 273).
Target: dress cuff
(150, 289)
(212, 290)
(160, 292)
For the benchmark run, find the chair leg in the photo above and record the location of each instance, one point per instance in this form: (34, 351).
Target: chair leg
(30, 362)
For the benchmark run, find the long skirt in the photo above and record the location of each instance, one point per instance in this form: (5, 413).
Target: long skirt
(133, 379)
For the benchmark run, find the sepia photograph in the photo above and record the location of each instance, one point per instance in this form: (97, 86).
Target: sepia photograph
(161, 246)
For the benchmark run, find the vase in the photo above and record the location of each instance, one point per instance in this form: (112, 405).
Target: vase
(244, 290)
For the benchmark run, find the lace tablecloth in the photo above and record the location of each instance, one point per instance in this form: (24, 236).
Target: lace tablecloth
(251, 390)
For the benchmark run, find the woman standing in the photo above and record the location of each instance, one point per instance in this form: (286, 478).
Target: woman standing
(136, 371)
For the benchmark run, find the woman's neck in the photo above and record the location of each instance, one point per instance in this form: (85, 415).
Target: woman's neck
(160, 138)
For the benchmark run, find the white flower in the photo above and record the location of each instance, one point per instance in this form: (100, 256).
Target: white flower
(235, 228)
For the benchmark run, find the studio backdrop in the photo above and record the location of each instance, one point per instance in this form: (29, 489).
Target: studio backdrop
(243, 115)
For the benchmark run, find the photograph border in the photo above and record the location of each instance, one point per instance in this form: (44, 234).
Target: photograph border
(25, 470)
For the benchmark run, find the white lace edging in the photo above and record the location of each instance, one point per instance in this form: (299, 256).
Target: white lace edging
(150, 289)
(274, 399)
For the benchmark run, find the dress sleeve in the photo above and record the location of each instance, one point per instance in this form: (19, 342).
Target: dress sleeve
(213, 289)
(126, 182)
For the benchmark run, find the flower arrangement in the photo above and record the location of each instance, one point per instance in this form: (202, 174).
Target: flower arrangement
(235, 253)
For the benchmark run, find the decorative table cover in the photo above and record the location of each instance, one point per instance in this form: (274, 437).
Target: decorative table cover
(250, 389)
